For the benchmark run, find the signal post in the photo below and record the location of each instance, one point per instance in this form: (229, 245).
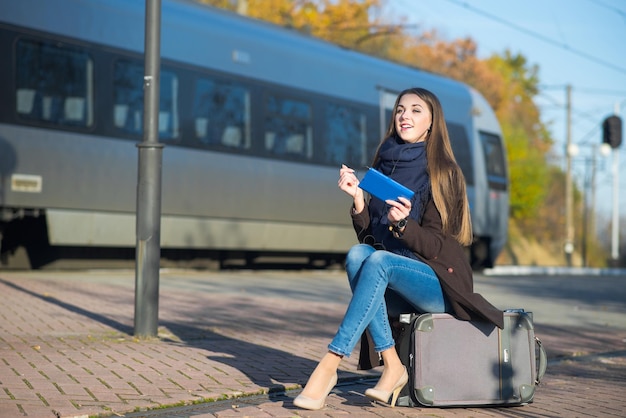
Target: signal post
(612, 135)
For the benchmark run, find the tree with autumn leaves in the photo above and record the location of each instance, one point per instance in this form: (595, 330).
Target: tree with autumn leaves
(507, 81)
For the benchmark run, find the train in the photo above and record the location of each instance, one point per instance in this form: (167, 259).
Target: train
(255, 120)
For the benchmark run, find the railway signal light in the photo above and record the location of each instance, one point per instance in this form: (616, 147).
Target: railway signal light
(612, 131)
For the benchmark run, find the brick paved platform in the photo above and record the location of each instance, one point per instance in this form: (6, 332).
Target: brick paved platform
(67, 347)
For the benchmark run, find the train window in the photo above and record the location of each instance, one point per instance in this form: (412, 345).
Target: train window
(168, 107)
(494, 160)
(54, 84)
(345, 136)
(128, 100)
(288, 130)
(462, 151)
(222, 114)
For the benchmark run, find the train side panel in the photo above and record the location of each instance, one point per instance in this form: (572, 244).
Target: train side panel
(239, 194)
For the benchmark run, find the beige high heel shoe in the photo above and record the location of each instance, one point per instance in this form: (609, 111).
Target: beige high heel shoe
(383, 395)
(305, 402)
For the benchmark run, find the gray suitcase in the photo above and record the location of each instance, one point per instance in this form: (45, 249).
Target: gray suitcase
(466, 363)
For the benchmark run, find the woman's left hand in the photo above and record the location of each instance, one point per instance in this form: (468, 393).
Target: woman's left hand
(398, 209)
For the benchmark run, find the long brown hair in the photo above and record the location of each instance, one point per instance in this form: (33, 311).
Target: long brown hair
(446, 178)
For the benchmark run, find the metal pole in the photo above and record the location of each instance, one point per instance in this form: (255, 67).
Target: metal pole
(615, 222)
(149, 185)
(583, 247)
(569, 200)
(592, 220)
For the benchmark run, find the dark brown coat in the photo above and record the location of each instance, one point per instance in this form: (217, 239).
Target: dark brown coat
(449, 261)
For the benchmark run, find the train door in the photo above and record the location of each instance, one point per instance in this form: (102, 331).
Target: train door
(497, 198)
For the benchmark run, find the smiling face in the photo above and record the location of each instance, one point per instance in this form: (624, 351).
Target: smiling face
(413, 118)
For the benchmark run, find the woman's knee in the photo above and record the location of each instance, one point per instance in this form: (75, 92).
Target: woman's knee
(381, 260)
(358, 254)
(374, 269)
(360, 251)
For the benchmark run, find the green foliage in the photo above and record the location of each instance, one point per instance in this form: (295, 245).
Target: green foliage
(527, 139)
(527, 173)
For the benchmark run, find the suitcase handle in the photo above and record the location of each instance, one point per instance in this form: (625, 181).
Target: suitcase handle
(543, 361)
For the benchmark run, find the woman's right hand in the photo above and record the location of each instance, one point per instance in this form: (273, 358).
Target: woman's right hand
(349, 183)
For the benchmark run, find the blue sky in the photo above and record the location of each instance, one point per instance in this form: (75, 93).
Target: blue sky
(575, 42)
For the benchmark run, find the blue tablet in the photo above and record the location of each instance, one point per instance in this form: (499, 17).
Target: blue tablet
(384, 188)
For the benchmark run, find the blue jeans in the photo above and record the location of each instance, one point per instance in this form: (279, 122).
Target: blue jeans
(372, 274)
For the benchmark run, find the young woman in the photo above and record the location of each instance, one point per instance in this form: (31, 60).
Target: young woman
(408, 248)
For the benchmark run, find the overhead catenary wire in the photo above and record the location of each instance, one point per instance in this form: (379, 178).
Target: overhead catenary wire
(536, 35)
(620, 12)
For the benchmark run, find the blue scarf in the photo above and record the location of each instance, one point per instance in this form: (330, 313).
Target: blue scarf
(405, 163)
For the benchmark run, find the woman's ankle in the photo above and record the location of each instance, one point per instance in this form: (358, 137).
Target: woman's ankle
(323, 373)
(391, 359)
(393, 370)
(330, 360)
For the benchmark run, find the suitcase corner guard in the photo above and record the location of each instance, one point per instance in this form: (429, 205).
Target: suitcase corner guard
(425, 395)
